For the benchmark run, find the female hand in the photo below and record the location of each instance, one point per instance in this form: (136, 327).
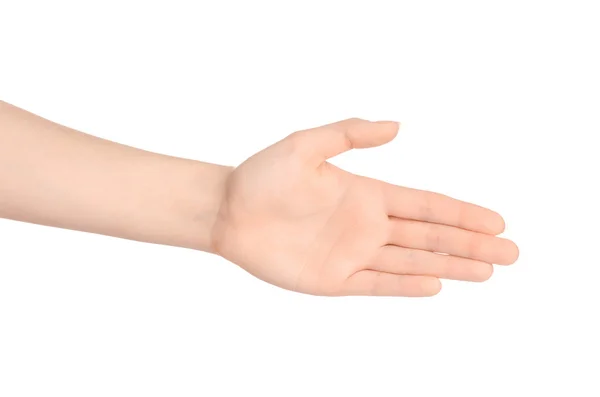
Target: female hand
(294, 220)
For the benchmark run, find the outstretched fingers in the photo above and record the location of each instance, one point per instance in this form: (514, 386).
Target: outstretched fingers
(400, 260)
(452, 240)
(433, 207)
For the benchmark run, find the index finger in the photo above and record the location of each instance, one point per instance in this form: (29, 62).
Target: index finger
(425, 206)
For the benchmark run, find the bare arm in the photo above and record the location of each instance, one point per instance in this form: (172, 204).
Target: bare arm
(56, 176)
(285, 215)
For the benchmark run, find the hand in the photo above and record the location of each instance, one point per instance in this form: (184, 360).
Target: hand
(294, 220)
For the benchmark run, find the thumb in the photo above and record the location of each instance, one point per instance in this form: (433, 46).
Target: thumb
(322, 143)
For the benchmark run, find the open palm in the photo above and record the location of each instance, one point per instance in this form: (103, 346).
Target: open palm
(294, 220)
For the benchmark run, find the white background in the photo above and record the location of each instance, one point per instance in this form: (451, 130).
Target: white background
(500, 106)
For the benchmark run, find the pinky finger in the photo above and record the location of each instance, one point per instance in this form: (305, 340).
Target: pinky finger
(374, 283)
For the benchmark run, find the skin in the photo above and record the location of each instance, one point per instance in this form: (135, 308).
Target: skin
(285, 215)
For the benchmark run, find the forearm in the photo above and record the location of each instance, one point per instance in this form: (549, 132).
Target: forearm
(56, 176)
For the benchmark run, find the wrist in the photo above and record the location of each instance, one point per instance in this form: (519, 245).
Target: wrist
(197, 205)
(176, 202)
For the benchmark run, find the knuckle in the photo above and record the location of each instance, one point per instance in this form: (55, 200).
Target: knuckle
(474, 246)
(433, 238)
(426, 208)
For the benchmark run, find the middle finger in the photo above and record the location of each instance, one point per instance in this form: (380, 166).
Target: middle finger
(452, 240)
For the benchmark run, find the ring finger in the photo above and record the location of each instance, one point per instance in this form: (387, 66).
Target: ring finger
(451, 240)
(407, 261)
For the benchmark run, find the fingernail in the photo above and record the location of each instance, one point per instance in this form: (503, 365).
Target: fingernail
(387, 122)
